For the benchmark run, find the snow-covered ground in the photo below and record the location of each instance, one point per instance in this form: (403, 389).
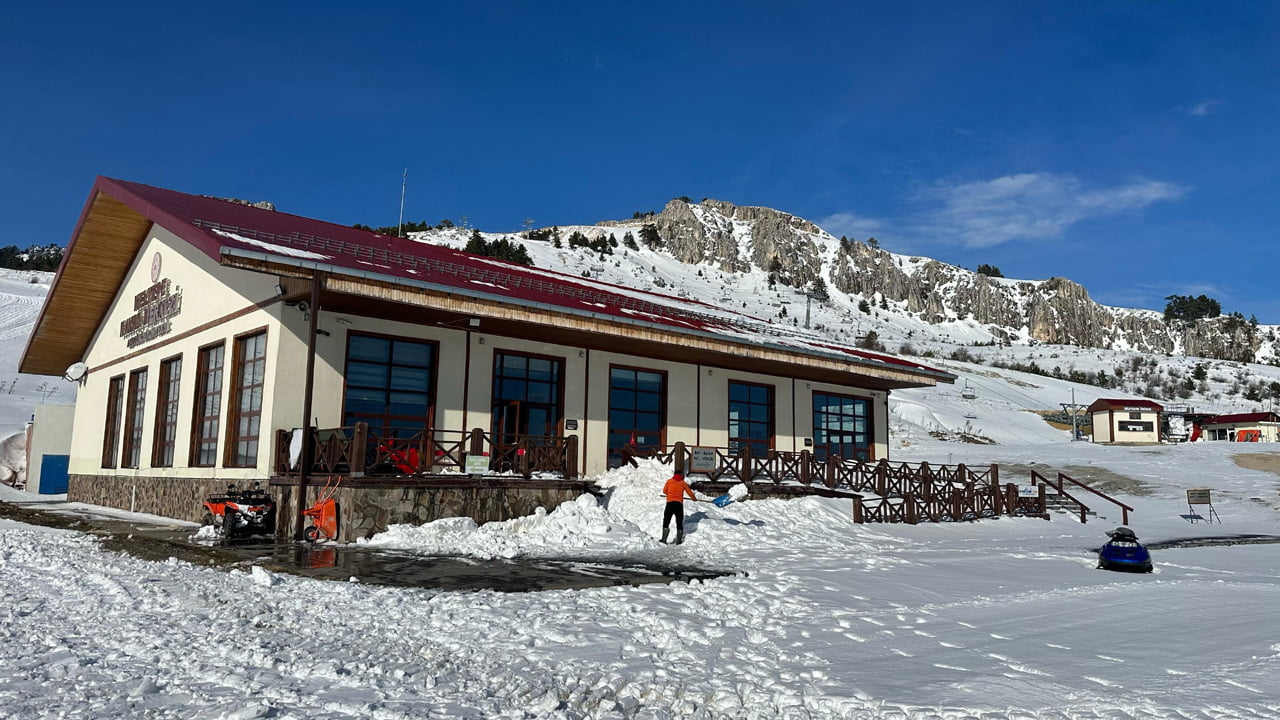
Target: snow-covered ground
(996, 620)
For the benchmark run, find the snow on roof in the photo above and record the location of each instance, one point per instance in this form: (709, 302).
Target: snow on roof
(1254, 417)
(220, 227)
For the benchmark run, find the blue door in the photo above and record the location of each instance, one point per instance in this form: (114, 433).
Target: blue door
(53, 474)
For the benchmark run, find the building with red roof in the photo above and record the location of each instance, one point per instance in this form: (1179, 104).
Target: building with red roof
(203, 331)
(1125, 421)
(1242, 427)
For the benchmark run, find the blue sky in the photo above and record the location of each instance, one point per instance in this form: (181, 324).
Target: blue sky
(1131, 147)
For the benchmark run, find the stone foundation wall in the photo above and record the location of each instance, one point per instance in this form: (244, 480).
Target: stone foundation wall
(364, 511)
(179, 498)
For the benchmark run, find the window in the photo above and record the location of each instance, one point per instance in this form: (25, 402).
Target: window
(111, 438)
(246, 409)
(750, 418)
(166, 413)
(637, 410)
(841, 427)
(389, 384)
(208, 407)
(135, 406)
(526, 396)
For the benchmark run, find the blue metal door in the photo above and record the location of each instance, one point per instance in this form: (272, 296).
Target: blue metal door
(53, 474)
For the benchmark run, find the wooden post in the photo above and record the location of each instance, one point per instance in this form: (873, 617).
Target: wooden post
(805, 457)
(744, 464)
(1044, 507)
(1011, 497)
(857, 509)
(882, 472)
(359, 445)
(571, 456)
(678, 458)
(909, 508)
(995, 475)
(308, 391)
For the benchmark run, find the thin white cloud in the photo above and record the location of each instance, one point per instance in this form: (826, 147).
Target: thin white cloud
(850, 225)
(1029, 206)
(1204, 108)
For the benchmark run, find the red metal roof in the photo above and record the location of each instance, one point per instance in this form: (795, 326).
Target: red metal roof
(1241, 418)
(1121, 404)
(220, 227)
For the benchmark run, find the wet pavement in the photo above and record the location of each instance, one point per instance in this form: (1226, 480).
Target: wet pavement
(347, 562)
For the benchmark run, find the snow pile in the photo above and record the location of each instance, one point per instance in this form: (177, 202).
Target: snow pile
(580, 526)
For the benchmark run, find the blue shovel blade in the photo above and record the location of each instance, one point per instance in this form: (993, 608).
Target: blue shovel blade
(722, 500)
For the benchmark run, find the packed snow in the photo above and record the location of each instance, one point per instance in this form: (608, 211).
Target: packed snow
(819, 617)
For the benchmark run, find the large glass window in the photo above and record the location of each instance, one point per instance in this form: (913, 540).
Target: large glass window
(166, 413)
(841, 427)
(135, 406)
(750, 417)
(637, 410)
(207, 416)
(526, 396)
(389, 384)
(246, 409)
(115, 408)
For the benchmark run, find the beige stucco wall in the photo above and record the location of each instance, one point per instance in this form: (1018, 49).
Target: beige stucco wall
(50, 434)
(209, 292)
(1106, 427)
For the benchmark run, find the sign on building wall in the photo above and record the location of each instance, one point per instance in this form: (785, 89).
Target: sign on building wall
(153, 309)
(702, 459)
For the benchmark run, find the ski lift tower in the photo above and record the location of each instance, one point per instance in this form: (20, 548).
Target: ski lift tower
(1074, 410)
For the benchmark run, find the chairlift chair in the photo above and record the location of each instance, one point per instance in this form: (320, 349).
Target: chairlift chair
(968, 393)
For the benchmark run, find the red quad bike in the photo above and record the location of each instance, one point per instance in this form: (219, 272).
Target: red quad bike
(241, 513)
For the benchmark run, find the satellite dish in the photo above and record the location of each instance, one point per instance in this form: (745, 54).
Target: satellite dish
(76, 372)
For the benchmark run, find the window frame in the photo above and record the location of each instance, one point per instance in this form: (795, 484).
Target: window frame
(233, 456)
(112, 424)
(772, 421)
(386, 417)
(134, 419)
(199, 417)
(868, 418)
(610, 431)
(557, 403)
(164, 436)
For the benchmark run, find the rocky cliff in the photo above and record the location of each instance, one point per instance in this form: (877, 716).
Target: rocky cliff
(797, 252)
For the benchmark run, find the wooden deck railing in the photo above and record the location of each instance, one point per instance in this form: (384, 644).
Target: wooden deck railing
(356, 450)
(882, 491)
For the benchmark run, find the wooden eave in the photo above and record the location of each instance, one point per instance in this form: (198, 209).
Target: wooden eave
(371, 297)
(103, 246)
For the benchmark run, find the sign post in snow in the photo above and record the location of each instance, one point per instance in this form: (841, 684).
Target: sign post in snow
(1201, 496)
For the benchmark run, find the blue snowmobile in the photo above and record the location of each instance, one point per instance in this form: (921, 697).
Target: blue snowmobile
(1123, 553)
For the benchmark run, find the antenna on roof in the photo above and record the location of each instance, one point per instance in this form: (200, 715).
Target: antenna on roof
(404, 182)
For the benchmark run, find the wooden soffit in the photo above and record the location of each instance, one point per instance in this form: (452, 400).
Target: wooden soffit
(98, 258)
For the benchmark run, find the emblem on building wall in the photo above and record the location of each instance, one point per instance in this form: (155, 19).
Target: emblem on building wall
(153, 309)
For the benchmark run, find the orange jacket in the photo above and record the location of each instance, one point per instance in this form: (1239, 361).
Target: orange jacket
(675, 490)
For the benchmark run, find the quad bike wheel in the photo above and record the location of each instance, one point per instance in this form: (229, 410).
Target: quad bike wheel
(206, 519)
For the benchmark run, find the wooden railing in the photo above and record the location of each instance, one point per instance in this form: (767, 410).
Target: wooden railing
(355, 450)
(881, 491)
(1124, 509)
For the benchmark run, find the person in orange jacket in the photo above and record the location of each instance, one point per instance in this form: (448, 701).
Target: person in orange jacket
(675, 491)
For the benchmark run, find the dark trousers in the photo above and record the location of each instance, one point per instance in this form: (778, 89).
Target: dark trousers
(674, 510)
